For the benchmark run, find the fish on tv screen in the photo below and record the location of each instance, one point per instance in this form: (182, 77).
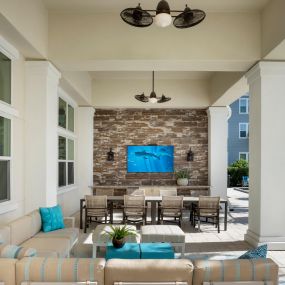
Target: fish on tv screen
(151, 159)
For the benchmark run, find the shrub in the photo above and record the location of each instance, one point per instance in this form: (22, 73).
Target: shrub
(236, 171)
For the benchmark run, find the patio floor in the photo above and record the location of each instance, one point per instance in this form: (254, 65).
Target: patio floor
(208, 243)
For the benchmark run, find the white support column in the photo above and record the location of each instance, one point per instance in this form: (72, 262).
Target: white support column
(218, 142)
(85, 120)
(267, 155)
(41, 141)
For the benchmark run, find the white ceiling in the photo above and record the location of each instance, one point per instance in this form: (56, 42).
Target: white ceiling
(115, 6)
(132, 75)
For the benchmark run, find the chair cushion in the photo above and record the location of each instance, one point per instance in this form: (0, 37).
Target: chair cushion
(5, 236)
(36, 221)
(58, 247)
(67, 233)
(100, 237)
(148, 270)
(61, 270)
(8, 271)
(15, 251)
(235, 270)
(21, 230)
(162, 233)
(259, 252)
(52, 218)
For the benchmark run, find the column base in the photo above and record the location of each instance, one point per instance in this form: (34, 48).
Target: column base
(274, 243)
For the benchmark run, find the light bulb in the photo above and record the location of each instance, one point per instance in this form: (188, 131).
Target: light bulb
(163, 20)
(153, 100)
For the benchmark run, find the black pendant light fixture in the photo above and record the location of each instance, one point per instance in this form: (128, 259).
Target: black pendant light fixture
(139, 17)
(152, 98)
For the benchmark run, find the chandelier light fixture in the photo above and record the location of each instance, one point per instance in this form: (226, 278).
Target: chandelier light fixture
(162, 16)
(152, 98)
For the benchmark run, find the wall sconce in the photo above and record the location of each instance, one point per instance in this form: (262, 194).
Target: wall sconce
(110, 155)
(190, 155)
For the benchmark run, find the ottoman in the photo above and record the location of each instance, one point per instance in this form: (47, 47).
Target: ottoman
(99, 238)
(164, 233)
(159, 250)
(128, 251)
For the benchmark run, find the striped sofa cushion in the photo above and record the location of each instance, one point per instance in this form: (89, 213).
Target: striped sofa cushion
(48, 269)
(235, 270)
(15, 251)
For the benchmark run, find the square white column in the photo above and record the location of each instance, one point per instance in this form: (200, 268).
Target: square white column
(85, 131)
(218, 151)
(267, 155)
(41, 140)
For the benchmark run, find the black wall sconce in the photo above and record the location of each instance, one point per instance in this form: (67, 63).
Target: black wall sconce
(110, 155)
(190, 155)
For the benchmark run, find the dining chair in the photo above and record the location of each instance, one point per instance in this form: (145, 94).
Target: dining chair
(96, 208)
(171, 207)
(208, 207)
(137, 192)
(168, 192)
(104, 191)
(134, 209)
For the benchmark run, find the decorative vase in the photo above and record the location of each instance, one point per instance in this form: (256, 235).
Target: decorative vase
(182, 181)
(118, 243)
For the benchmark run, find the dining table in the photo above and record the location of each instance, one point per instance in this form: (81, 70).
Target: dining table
(153, 200)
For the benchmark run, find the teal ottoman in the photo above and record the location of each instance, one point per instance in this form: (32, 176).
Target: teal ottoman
(156, 251)
(128, 251)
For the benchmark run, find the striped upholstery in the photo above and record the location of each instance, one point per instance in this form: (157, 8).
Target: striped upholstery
(235, 270)
(171, 206)
(148, 270)
(14, 251)
(8, 271)
(60, 270)
(208, 205)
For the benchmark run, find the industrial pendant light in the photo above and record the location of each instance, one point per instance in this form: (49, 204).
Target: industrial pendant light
(152, 98)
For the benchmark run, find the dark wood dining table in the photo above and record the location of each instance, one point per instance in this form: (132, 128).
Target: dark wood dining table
(154, 200)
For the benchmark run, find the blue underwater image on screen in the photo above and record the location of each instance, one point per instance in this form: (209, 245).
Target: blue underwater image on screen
(150, 159)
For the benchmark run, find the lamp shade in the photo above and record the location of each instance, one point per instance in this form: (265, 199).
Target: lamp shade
(163, 20)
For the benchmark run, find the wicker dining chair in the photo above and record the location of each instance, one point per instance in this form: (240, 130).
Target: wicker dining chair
(208, 207)
(104, 191)
(134, 209)
(171, 207)
(168, 192)
(96, 208)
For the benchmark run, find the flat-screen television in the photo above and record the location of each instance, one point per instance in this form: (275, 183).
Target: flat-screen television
(150, 159)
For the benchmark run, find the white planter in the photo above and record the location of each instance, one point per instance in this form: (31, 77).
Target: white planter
(182, 181)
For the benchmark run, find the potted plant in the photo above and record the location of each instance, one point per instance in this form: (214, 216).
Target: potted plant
(118, 234)
(182, 176)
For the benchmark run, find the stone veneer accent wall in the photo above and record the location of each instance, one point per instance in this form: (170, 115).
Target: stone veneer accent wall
(183, 128)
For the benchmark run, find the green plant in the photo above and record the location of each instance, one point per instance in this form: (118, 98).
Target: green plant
(182, 173)
(120, 232)
(236, 171)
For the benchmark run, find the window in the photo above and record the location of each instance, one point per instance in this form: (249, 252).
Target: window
(5, 79)
(243, 105)
(65, 115)
(243, 130)
(65, 161)
(5, 158)
(243, 155)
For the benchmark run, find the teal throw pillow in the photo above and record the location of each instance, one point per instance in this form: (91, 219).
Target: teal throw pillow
(52, 218)
(259, 252)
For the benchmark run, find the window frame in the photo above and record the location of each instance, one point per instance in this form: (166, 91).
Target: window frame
(247, 106)
(66, 161)
(68, 135)
(247, 130)
(69, 102)
(246, 154)
(8, 158)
